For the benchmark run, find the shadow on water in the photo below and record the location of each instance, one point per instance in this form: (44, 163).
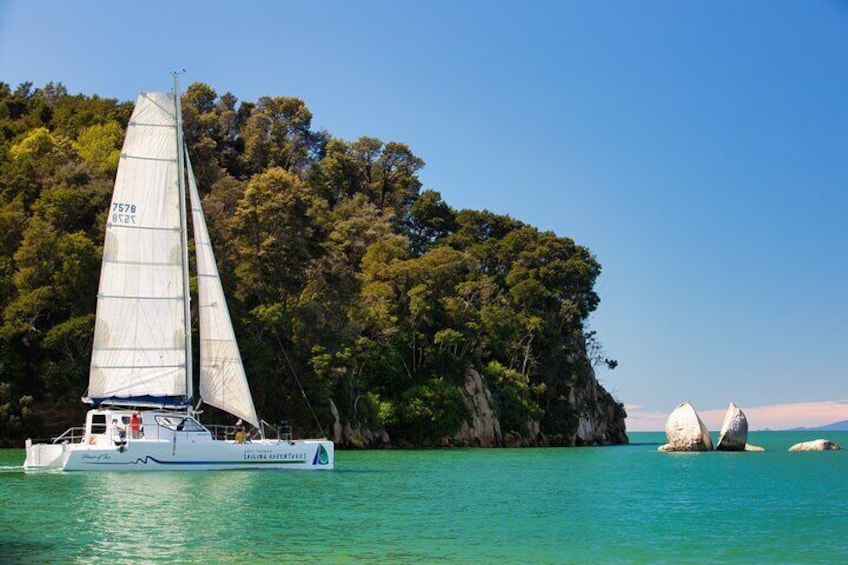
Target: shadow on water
(644, 443)
(24, 551)
(338, 471)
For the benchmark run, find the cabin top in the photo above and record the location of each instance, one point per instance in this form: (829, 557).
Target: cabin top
(105, 426)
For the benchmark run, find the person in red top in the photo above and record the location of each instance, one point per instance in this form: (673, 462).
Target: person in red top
(135, 425)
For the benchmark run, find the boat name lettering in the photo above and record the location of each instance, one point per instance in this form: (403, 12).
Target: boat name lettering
(269, 456)
(98, 457)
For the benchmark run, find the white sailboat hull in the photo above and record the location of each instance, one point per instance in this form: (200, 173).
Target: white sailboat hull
(164, 455)
(170, 441)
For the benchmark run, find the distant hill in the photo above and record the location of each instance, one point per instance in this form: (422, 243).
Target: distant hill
(834, 427)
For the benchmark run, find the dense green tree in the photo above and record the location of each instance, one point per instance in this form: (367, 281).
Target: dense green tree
(429, 219)
(99, 146)
(346, 281)
(278, 134)
(386, 173)
(275, 236)
(202, 134)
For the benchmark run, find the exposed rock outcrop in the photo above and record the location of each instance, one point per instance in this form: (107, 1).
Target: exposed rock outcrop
(484, 429)
(338, 429)
(581, 412)
(685, 431)
(345, 435)
(599, 420)
(599, 417)
(734, 430)
(513, 439)
(816, 445)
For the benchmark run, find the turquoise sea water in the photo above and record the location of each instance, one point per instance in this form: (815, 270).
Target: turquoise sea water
(624, 504)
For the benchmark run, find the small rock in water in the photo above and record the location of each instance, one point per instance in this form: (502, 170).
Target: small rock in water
(734, 430)
(685, 431)
(816, 445)
(749, 447)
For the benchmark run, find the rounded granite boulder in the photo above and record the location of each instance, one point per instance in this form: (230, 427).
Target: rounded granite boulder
(816, 445)
(685, 431)
(734, 430)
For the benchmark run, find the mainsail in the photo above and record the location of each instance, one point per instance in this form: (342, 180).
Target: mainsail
(139, 350)
(140, 353)
(223, 383)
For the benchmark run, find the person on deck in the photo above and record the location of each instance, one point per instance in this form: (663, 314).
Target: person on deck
(119, 433)
(135, 426)
(239, 431)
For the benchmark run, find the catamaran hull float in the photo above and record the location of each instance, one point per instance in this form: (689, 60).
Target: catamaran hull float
(160, 455)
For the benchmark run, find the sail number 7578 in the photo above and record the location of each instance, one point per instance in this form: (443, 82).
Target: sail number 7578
(123, 213)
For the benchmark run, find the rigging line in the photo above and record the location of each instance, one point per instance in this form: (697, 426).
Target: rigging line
(153, 102)
(145, 158)
(134, 367)
(150, 125)
(207, 181)
(121, 297)
(297, 380)
(207, 178)
(136, 348)
(149, 228)
(141, 263)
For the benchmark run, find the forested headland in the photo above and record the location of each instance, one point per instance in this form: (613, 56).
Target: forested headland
(366, 307)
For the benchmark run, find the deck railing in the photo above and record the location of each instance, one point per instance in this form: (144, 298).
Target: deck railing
(267, 431)
(71, 435)
(220, 432)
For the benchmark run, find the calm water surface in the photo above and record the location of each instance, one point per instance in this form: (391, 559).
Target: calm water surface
(627, 504)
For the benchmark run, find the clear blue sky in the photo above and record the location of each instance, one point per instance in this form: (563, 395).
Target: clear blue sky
(699, 149)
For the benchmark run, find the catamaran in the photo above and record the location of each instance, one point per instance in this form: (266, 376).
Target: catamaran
(144, 415)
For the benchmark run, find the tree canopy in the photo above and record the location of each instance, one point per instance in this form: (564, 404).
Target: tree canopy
(346, 280)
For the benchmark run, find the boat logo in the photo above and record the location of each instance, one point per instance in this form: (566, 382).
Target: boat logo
(321, 457)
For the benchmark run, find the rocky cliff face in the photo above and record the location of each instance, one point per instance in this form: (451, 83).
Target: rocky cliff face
(601, 416)
(484, 428)
(599, 421)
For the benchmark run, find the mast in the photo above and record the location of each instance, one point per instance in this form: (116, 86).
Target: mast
(183, 235)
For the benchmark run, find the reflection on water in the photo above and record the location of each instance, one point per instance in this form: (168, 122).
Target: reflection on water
(164, 517)
(131, 516)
